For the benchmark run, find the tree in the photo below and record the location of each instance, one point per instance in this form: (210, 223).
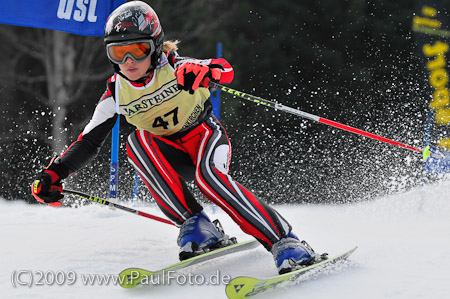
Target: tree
(59, 71)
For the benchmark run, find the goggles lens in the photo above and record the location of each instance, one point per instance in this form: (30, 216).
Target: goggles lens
(138, 51)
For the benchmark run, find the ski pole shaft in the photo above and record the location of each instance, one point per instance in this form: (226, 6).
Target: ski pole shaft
(309, 116)
(115, 205)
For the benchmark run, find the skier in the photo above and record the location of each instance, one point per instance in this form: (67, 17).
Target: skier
(177, 139)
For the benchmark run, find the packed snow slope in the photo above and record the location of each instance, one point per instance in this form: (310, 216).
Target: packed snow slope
(404, 250)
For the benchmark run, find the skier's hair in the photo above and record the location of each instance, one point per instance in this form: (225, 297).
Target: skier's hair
(170, 45)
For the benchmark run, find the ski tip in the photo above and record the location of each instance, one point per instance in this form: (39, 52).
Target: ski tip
(242, 287)
(132, 277)
(245, 287)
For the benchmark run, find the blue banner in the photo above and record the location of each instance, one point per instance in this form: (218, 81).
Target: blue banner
(83, 17)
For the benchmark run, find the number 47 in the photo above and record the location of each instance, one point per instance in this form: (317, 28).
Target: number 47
(160, 122)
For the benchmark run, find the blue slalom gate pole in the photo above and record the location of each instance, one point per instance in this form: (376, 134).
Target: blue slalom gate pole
(215, 96)
(114, 171)
(215, 99)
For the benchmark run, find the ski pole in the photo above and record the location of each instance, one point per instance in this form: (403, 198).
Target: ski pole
(316, 118)
(115, 205)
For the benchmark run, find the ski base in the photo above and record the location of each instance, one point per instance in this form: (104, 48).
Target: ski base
(246, 287)
(133, 277)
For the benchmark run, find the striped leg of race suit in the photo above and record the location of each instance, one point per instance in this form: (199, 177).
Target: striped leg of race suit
(204, 155)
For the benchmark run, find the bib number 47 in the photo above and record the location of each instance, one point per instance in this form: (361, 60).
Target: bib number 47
(163, 121)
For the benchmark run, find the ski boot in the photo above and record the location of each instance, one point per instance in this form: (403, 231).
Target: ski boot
(199, 235)
(290, 254)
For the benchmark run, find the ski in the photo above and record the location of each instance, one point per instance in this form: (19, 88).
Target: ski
(133, 277)
(246, 287)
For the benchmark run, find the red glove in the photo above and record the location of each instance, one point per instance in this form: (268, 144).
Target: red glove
(48, 187)
(191, 76)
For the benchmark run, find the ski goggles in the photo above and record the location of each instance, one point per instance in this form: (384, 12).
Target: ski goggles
(138, 50)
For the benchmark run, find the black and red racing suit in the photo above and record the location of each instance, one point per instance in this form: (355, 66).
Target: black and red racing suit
(198, 149)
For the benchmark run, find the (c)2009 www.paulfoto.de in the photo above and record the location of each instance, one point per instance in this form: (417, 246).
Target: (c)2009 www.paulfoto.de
(31, 278)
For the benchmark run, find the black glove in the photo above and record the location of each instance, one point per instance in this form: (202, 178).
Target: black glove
(48, 187)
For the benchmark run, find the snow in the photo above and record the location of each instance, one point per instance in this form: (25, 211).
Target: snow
(403, 251)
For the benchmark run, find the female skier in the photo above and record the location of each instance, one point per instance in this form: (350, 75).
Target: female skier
(177, 139)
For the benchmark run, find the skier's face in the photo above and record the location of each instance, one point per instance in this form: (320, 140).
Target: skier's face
(135, 70)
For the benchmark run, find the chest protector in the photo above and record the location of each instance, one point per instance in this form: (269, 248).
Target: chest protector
(159, 107)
